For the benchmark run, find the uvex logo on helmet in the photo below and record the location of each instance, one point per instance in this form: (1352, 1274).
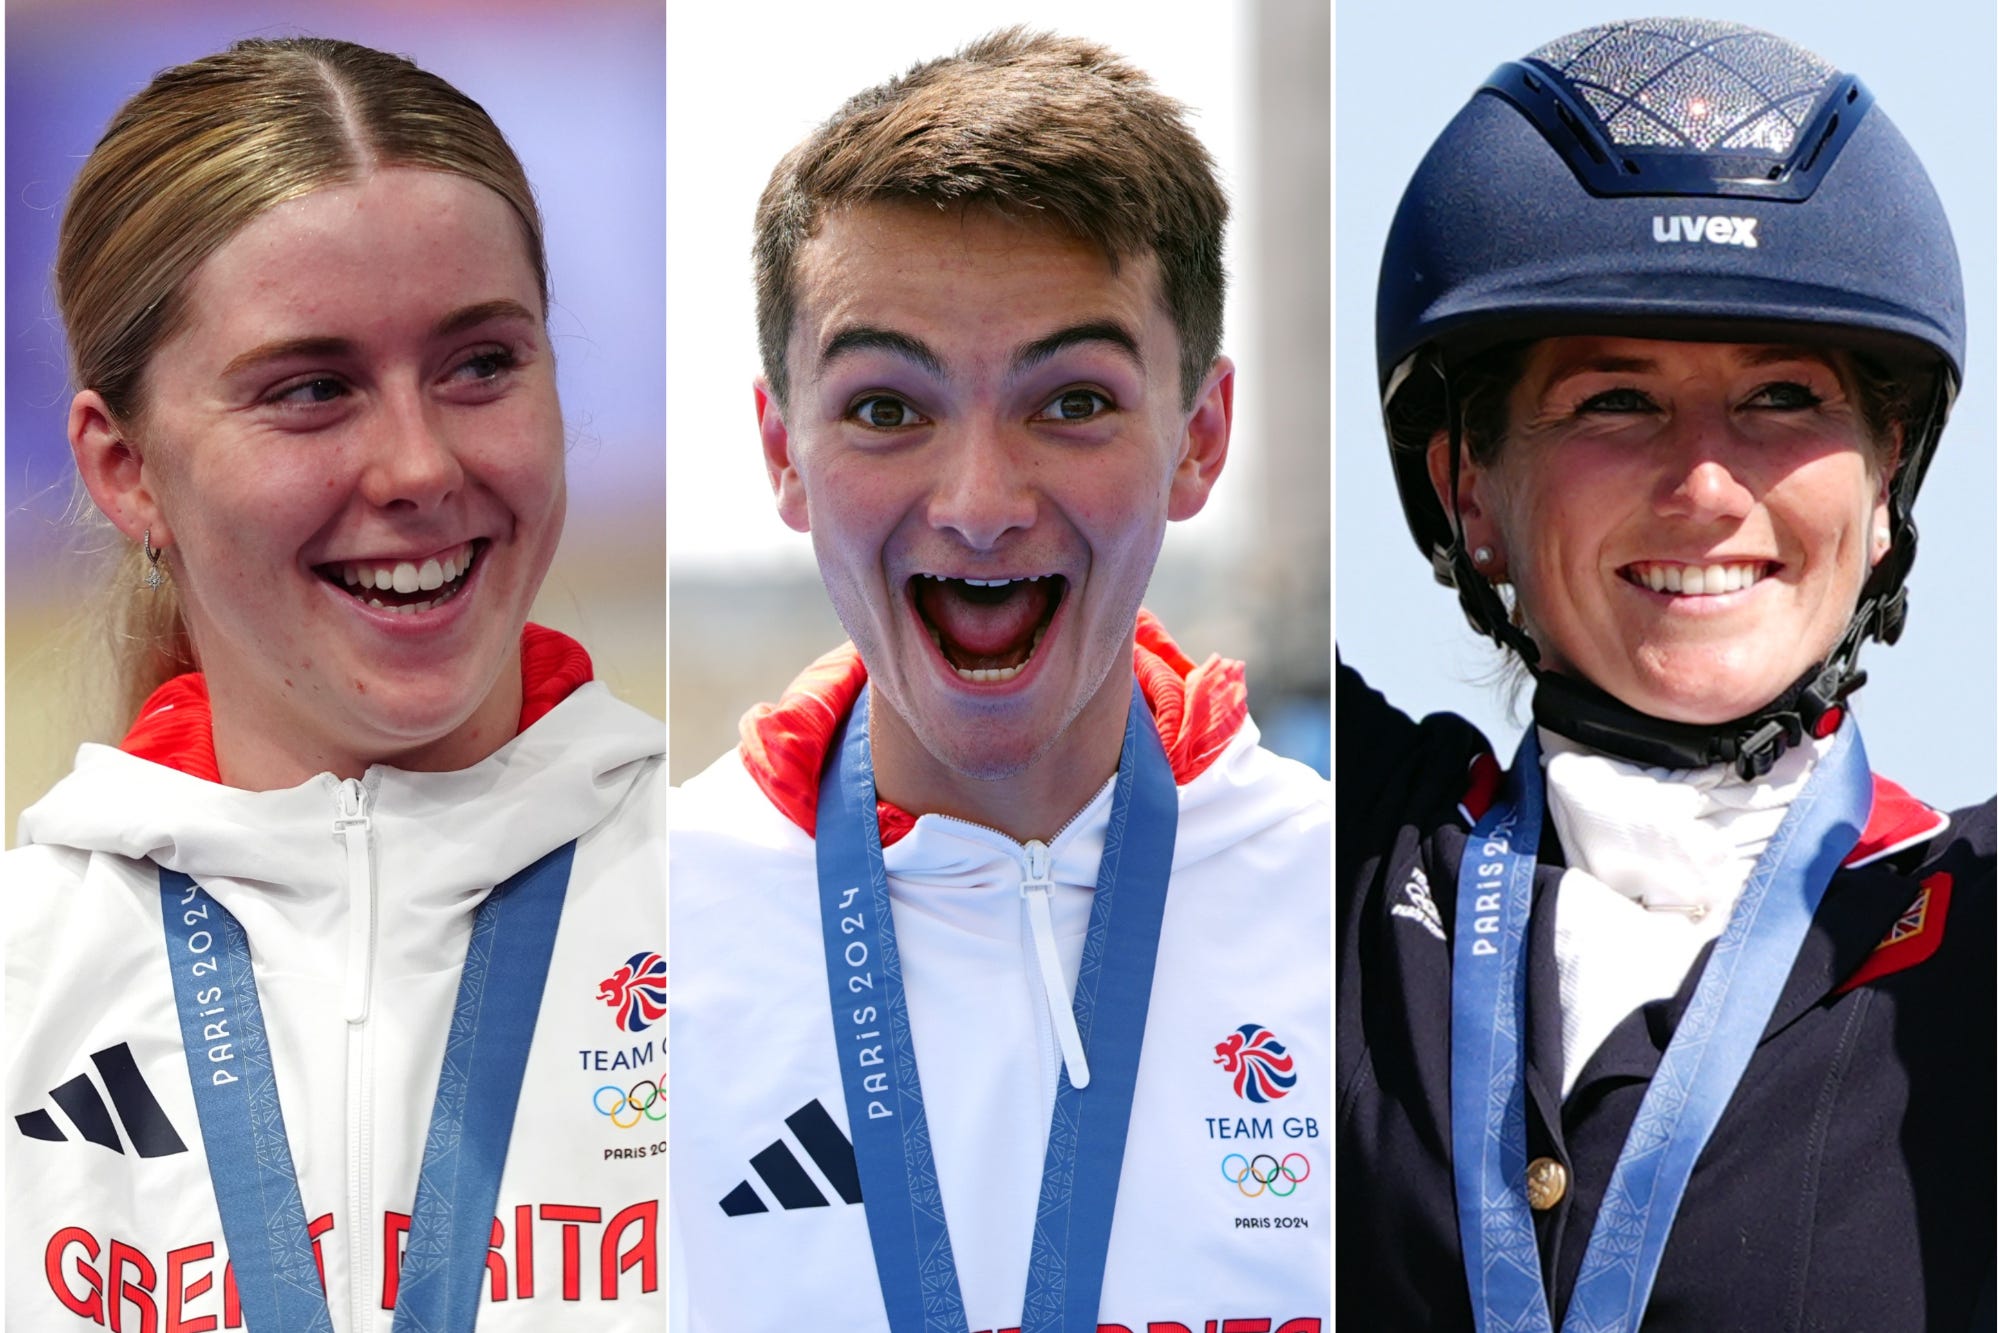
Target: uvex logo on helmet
(1714, 230)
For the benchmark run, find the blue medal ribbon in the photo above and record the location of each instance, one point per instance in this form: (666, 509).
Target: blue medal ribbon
(1710, 1048)
(492, 1028)
(236, 1100)
(1079, 1180)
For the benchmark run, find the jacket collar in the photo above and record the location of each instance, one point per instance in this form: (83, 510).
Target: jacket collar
(1857, 935)
(785, 745)
(175, 727)
(1896, 820)
(441, 838)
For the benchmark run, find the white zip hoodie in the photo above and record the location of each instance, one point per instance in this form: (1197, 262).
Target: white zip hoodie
(1244, 944)
(357, 898)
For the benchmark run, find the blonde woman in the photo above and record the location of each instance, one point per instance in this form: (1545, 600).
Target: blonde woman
(299, 972)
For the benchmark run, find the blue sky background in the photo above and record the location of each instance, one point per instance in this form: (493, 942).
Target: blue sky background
(1928, 710)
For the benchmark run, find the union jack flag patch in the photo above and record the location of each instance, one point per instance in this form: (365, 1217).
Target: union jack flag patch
(1910, 923)
(1912, 939)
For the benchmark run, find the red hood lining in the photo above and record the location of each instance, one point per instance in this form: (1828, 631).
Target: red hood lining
(174, 727)
(785, 745)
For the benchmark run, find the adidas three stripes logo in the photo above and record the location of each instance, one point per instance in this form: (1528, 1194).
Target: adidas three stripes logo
(146, 1125)
(786, 1178)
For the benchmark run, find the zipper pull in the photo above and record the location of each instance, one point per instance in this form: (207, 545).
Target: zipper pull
(353, 806)
(1038, 889)
(352, 826)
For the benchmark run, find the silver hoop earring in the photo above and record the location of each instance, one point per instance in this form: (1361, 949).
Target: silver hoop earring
(155, 576)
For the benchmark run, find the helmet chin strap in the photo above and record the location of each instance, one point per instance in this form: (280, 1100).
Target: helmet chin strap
(1453, 564)
(1813, 705)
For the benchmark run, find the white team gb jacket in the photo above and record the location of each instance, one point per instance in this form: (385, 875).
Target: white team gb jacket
(1223, 1212)
(111, 1217)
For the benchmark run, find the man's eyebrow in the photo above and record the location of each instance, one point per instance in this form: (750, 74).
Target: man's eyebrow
(329, 348)
(1032, 354)
(866, 338)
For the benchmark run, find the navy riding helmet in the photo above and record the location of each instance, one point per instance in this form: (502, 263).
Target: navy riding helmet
(1671, 178)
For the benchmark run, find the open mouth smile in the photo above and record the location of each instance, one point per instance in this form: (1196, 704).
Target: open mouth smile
(987, 629)
(1712, 580)
(406, 587)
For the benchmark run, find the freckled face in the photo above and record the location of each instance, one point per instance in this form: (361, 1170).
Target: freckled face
(1688, 525)
(984, 436)
(356, 452)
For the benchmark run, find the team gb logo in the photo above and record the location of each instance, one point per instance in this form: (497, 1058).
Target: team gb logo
(637, 991)
(1262, 1068)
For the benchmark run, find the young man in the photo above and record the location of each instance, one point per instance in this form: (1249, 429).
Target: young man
(1000, 982)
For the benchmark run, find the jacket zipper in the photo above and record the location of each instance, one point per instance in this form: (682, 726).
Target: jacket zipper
(1036, 890)
(354, 828)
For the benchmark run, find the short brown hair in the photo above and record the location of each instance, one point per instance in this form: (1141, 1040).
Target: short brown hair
(1033, 123)
(184, 165)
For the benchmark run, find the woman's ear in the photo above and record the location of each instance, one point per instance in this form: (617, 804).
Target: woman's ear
(1475, 509)
(1883, 483)
(114, 470)
(1892, 464)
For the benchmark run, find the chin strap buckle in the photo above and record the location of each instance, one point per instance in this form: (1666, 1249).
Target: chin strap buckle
(1820, 708)
(1894, 611)
(1757, 752)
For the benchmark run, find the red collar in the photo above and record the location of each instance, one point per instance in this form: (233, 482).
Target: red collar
(174, 727)
(1896, 820)
(1198, 710)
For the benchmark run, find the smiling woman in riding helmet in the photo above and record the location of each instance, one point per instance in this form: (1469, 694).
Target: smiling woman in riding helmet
(1668, 326)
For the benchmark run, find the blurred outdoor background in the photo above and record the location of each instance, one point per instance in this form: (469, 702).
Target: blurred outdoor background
(576, 89)
(1247, 578)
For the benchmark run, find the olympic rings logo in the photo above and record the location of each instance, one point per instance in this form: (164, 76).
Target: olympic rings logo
(1279, 1178)
(642, 1101)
